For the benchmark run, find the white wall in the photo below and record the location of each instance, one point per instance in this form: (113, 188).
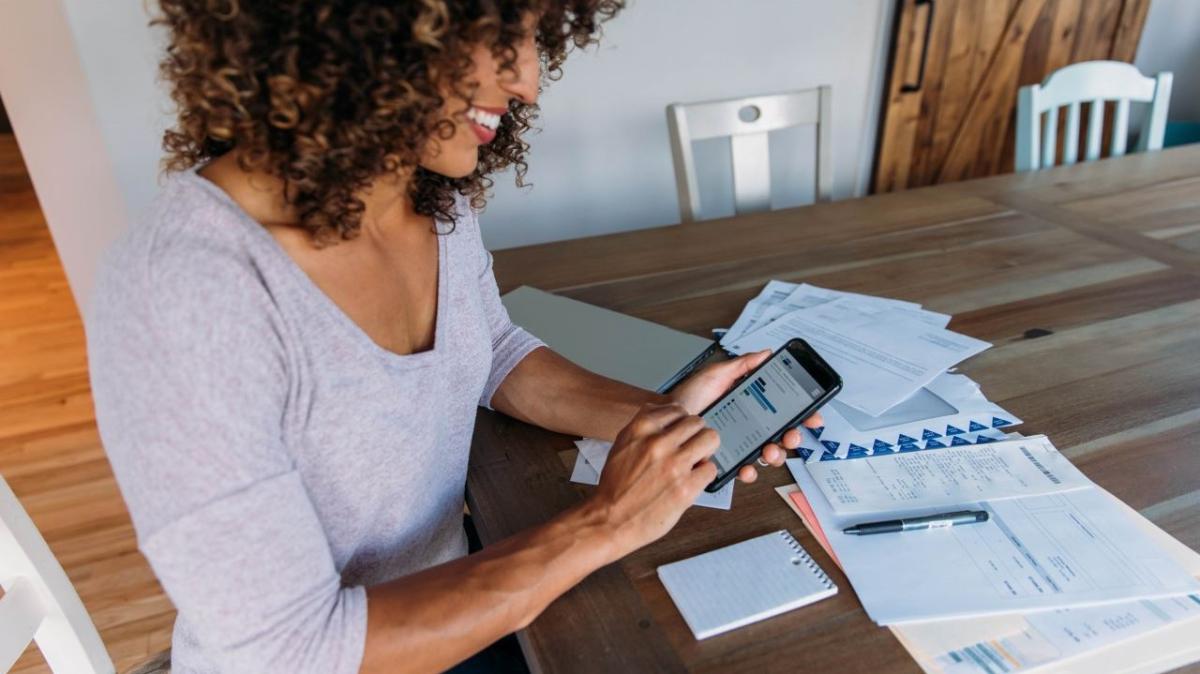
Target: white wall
(46, 94)
(603, 160)
(120, 59)
(79, 81)
(602, 163)
(1171, 41)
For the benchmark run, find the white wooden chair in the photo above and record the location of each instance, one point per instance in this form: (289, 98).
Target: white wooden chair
(747, 121)
(39, 603)
(1092, 82)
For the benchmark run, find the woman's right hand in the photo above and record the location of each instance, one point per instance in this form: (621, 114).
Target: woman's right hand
(656, 468)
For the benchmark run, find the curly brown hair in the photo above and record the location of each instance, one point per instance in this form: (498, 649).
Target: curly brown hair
(328, 95)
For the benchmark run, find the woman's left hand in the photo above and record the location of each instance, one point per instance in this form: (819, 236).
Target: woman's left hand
(706, 386)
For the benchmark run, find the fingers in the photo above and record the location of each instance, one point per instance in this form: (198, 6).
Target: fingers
(791, 439)
(743, 365)
(773, 454)
(700, 446)
(747, 474)
(815, 421)
(685, 429)
(654, 418)
(701, 476)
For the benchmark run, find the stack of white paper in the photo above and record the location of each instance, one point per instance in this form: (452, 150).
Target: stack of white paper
(893, 356)
(884, 356)
(1061, 577)
(1072, 548)
(1149, 635)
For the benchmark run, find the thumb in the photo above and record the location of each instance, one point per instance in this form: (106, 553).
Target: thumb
(743, 365)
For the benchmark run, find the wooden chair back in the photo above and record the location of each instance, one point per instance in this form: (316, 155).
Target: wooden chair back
(1094, 83)
(747, 123)
(39, 603)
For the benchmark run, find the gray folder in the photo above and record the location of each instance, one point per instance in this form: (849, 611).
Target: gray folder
(606, 342)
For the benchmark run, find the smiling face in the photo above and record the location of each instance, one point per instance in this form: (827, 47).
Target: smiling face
(475, 121)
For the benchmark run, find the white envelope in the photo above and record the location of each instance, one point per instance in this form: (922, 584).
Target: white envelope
(884, 357)
(951, 410)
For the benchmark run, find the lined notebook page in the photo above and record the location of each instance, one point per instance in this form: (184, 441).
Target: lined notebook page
(744, 583)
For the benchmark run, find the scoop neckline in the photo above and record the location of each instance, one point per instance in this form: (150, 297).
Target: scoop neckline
(323, 300)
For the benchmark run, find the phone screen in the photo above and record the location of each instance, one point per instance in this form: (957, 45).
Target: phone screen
(759, 407)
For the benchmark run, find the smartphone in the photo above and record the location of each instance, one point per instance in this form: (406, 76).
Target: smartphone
(779, 394)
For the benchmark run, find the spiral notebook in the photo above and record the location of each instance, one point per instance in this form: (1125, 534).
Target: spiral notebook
(743, 583)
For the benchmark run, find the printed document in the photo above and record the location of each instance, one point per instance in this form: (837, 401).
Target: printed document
(1075, 548)
(883, 357)
(950, 477)
(1124, 636)
(772, 295)
(779, 298)
(770, 307)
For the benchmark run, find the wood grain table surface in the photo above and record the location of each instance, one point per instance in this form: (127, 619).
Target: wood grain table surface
(1085, 278)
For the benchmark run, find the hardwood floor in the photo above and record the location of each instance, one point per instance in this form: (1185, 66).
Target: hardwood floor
(50, 451)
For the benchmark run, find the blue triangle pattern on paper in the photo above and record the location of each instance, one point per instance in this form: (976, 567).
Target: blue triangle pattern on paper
(857, 452)
(934, 444)
(828, 457)
(881, 446)
(928, 434)
(831, 445)
(954, 430)
(817, 431)
(984, 438)
(804, 453)
(958, 441)
(976, 426)
(905, 439)
(997, 422)
(909, 447)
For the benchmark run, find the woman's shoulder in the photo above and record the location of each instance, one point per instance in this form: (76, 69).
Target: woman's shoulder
(191, 246)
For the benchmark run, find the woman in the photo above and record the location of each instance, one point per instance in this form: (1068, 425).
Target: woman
(288, 352)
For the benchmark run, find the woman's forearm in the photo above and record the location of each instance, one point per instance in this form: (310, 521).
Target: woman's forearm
(433, 619)
(550, 391)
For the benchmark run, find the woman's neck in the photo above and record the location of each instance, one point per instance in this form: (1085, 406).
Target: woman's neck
(387, 208)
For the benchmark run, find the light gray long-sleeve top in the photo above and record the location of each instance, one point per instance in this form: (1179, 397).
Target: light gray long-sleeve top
(275, 460)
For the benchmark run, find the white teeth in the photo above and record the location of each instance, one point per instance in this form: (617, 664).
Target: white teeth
(486, 119)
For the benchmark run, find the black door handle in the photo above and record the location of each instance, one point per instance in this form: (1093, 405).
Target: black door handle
(916, 86)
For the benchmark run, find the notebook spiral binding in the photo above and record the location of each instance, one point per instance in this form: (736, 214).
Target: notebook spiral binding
(806, 558)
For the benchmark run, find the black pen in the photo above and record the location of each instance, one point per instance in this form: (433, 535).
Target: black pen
(915, 523)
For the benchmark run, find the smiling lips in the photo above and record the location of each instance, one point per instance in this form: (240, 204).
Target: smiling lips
(484, 121)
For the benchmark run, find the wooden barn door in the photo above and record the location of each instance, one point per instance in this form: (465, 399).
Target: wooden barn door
(955, 69)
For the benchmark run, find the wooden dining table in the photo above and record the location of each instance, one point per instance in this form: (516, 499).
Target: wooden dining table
(1085, 278)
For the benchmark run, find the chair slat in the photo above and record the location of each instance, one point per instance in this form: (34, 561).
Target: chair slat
(824, 178)
(1094, 129)
(21, 613)
(1050, 138)
(1120, 128)
(1029, 129)
(66, 637)
(686, 185)
(1154, 123)
(1071, 145)
(751, 173)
